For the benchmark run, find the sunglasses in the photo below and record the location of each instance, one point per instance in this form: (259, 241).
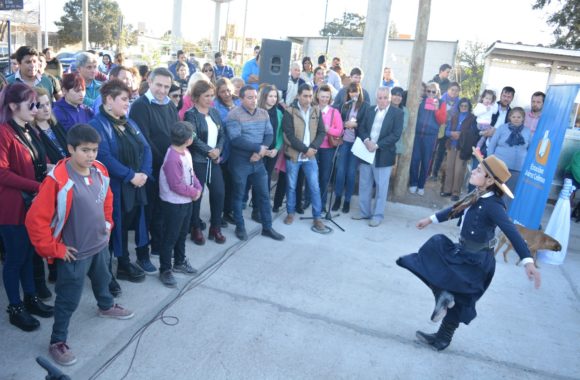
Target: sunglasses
(36, 105)
(176, 96)
(207, 71)
(431, 91)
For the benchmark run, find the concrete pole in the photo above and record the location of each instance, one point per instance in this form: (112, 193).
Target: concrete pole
(413, 101)
(216, 28)
(374, 44)
(244, 33)
(176, 42)
(85, 25)
(45, 27)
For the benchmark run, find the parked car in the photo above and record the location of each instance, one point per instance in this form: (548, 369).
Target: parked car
(67, 59)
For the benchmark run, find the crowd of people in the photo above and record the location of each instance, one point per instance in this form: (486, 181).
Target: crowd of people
(88, 156)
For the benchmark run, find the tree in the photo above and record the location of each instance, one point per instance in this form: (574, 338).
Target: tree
(350, 25)
(470, 69)
(128, 36)
(104, 22)
(393, 31)
(567, 22)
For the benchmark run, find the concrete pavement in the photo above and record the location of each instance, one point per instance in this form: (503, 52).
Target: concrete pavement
(318, 307)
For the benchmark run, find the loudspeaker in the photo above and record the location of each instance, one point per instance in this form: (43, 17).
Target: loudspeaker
(275, 63)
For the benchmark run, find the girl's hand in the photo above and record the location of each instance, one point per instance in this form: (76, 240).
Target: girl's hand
(533, 274)
(423, 223)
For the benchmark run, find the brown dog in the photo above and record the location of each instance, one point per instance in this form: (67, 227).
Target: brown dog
(535, 239)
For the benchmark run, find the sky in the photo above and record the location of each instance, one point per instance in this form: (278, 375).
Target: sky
(451, 20)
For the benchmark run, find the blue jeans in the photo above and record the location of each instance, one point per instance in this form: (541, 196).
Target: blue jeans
(69, 287)
(423, 148)
(324, 156)
(18, 264)
(243, 171)
(346, 164)
(310, 169)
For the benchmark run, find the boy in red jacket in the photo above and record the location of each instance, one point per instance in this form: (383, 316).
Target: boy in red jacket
(70, 220)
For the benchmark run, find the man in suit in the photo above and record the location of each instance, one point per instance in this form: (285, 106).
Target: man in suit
(380, 130)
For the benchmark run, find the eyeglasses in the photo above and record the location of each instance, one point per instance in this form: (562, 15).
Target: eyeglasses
(36, 105)
(176, 96)
(207, 71)
(431, 91)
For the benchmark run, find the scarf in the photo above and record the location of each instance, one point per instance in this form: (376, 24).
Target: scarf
(469, 200)
(515, 137)
(28, 137)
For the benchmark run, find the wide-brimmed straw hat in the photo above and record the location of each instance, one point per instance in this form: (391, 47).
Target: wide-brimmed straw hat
(496, 169)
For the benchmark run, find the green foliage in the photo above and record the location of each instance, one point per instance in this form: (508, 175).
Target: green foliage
(103, 23)
(567, 23)
(350, 25)
(128, 37)
(469, 72)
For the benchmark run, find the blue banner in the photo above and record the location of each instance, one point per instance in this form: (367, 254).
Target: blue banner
(539, 168)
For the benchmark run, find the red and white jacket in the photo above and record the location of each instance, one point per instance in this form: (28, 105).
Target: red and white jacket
(51, 207)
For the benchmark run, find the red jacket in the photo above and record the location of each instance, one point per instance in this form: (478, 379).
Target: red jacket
(51, 207)
(16, 176)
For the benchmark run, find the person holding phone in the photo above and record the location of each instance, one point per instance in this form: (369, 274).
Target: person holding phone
(432, 113)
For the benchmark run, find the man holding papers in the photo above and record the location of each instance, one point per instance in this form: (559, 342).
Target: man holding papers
(380, 130)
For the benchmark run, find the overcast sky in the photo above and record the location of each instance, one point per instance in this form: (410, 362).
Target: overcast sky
(485, 21)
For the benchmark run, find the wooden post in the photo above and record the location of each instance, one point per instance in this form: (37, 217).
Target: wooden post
(413, 100)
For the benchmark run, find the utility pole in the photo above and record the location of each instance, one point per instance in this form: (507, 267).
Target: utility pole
(413, 101)
(176, 37)
(85, 25)
(375, 44)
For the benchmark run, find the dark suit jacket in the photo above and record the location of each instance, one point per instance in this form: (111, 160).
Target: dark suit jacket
(390, 133)
(495, 116)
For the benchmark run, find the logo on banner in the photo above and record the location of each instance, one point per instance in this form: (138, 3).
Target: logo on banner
(536, 170)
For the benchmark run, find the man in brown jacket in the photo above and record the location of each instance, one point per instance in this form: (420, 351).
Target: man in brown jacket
(303, 134)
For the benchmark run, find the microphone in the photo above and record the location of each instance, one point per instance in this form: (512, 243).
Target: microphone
(53, 372)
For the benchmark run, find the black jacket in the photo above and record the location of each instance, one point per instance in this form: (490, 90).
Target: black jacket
(391, 131)
(496, 115)
(199, 149)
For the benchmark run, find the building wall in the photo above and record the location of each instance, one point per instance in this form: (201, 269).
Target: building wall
(398, 54)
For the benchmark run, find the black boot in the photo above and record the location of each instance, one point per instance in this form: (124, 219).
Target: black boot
(346, 207)
(441, 339)
(336, 204)
(35, 306)
(21, 318)
(42, 290)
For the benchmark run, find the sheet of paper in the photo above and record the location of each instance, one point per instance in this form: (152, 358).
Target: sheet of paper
(360, 150)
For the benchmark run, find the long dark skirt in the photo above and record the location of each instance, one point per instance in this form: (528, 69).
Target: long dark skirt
(444, 265)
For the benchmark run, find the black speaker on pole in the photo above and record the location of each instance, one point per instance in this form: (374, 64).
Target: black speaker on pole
(275, 63)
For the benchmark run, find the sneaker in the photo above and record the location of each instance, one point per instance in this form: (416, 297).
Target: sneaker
(420, 192)
(61, 353)
(346, 207)
(229, 218)
(130, 273)
(184, 268)
(116, 312)
(413, 189)
(318, 226)
(166, 277)
(359, 217)
(147, 266)
(289, 219)
(375, 222)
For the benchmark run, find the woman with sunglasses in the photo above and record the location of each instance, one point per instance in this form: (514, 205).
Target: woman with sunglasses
(70, 110)
(53, 138)
(22, 168)
(176, 95)
(207, 69)
(432, 113)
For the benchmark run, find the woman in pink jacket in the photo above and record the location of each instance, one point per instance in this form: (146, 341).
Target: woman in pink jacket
(326, 153)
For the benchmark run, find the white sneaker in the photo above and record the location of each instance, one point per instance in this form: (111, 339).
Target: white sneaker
(413, 189)
(420, 192)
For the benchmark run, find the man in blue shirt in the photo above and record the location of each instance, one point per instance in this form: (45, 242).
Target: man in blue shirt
(251, 72)
(220, 70)
(181, 57)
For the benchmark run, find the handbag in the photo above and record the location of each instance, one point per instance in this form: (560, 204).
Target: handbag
(333, 141)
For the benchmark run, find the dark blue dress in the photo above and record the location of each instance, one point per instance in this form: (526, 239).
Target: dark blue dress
(444, 265)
